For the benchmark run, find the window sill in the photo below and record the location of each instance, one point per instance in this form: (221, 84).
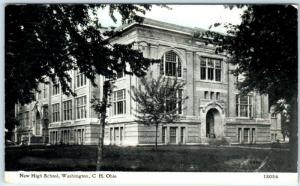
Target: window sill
(81, 119)
(67, 121)
(81, 87)
(245, 118)
(118, 116)
(211, 81)
(173, 77)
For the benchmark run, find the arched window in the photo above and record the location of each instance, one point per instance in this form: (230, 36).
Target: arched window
(171, 65)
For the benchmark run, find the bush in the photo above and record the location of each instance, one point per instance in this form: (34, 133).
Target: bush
(218, 141)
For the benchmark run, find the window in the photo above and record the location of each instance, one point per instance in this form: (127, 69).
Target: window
(212, 95)
(45, 111)
(24, 119)
(111, 135)
(55, 112)
(121, 135)
(119, 102)
(210, 69)
(218, 96)
(239, 135)
(205, 94)
(182, 131)
(171, 102)
(246, 135)
(81, 107)
(171, 65)
(218, 70)
(243, 106)
(203, 69)
(80, 79)
(253, 135)
(179, 102)
(67, 110)
(44, 90)
(163, 135)
(79, 141)
(55, 89)
(173, 135)
(174, 101)
(82, 136)
(116, 135)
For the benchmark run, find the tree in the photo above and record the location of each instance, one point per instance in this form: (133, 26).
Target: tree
(284, 109)
(264, 49)
(100, 107)
(159, 100)
(48, 40)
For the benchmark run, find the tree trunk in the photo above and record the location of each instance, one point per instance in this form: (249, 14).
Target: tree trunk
(294, 133)
(100, 149)
(100, 145)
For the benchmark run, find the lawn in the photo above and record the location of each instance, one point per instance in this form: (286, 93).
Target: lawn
(168, 158)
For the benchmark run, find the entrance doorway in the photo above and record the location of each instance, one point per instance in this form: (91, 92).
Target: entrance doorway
(213, 123)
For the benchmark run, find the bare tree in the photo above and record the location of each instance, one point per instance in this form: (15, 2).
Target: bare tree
(159, 100)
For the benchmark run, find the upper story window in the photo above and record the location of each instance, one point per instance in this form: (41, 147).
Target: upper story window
(24, 119)
(67, 110)
(81, 107)
(171, 65)
(205, 94)
(210, 69)
(244, 106)
(80, 79)
(119, 102)
(55, 112)
(55, 89)
(44, 90)
(217, 95)
(174, 102)
(212, 95)
(45, 111)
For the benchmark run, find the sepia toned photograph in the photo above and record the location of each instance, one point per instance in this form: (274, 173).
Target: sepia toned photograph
(151, 88)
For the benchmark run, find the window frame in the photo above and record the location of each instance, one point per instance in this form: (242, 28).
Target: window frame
(55, 89)
(80, 79)
(81, 107)
(166, 64)
(209, 71)
(179, 102)
(55, 112)
(249, 106)
(173, 137)
(119, 102)
(67, 110)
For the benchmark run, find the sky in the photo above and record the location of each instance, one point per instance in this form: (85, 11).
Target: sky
(201, 16)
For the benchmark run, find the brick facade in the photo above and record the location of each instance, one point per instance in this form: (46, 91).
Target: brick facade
(209, 112)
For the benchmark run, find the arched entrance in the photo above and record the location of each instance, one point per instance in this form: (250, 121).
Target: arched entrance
(213, 123)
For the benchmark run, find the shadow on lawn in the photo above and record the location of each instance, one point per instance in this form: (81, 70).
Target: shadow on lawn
(168, 158)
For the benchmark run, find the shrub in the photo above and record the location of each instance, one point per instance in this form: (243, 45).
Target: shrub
(218, 141)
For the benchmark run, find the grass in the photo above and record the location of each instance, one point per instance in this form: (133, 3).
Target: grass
(168, 158)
